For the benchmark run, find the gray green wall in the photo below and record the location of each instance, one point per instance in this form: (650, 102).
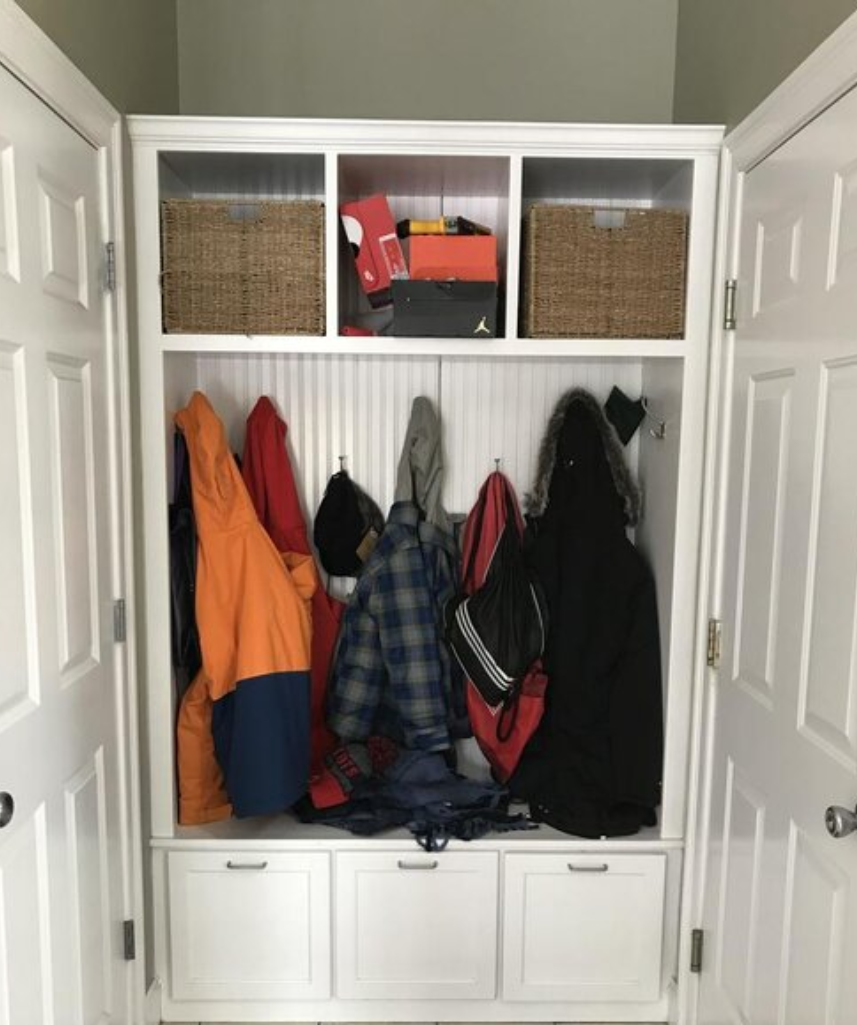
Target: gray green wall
(127, 48)
(733, 53)
(588, 60)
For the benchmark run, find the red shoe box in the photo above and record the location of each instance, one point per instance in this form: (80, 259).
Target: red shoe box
(462, 257)
(377, 252)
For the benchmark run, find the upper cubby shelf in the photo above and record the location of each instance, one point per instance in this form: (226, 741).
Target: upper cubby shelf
(493, 175)
(237, 176)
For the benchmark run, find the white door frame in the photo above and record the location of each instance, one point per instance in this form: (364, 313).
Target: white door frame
(826, 75)
(33, 58)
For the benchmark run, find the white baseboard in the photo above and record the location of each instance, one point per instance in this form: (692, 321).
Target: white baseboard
(152, 1015)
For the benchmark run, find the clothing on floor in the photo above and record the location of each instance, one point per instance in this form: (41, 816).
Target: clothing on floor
(252, 609)
(420, 792)
(594, 766)
(267, 473)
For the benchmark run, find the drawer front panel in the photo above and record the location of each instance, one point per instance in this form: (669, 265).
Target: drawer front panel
(416, 926)
(583, 927)
(249, 926)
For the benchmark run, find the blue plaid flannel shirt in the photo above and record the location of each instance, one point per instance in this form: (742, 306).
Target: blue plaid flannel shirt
(393, 673)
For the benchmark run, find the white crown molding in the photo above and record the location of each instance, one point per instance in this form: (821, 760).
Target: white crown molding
(822, 78)
(271, 134)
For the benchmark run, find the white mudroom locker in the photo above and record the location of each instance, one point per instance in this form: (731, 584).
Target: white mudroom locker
(740, 904)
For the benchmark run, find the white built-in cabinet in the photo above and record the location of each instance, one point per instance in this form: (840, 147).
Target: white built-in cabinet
(270, 920)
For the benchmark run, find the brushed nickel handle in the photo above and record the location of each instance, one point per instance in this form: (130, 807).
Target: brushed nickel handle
(602, 867)
(418, 866)
(247, 866)
(840, 822)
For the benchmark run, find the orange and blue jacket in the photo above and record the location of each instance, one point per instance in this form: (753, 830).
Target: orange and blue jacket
(244, 723)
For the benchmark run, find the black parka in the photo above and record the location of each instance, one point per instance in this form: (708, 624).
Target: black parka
(594, 767)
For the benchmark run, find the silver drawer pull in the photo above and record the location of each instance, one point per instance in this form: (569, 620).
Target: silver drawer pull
(247, 866)
(589, 868)
(418, 866)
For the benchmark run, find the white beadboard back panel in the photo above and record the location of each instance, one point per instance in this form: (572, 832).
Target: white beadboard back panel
(243, 175)
(498, 409)
(358, 407)
(351, 406)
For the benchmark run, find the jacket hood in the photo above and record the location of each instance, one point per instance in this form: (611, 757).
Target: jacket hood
(419, 478)
(574, 401)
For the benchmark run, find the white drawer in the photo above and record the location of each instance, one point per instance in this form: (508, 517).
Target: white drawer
(416, 926)
(583, 927)
(249, 926)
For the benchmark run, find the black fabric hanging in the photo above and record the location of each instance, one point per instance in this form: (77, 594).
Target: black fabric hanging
(187, 658)
(594, 767)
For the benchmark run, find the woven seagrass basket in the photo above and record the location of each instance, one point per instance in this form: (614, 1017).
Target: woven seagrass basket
(590, 273)
(243, 267)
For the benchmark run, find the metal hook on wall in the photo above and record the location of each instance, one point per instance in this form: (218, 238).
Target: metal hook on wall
(659, 431)
(497, 462)
(342, 463)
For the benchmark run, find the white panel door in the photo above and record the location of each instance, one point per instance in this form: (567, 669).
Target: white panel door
(583, 927)
(416, 926)
(781, 894)
(61, 895)
(249, 926)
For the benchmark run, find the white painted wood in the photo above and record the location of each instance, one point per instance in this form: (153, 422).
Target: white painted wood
(779, 899)
(61, 753)
(249, 926)
(267, 135)
(358, 407)
(452, 348)
(416, 925)
(499, 409)
(35, 59)
(488, 393)
(583, 927)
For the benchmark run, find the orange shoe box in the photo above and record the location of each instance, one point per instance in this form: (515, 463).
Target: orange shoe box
(462, 257)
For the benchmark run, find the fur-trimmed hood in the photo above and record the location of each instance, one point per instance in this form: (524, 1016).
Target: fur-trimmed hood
(625, 485)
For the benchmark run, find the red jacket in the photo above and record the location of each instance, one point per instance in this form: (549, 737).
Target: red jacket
(268, 475)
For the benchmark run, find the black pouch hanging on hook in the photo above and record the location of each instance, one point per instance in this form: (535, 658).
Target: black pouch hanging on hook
(347, 527)
(625, 414)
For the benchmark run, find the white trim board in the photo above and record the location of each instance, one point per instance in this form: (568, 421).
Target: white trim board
(33, 58)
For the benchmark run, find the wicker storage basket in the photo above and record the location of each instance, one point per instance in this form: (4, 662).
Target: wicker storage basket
(585, 280)
(243, 267)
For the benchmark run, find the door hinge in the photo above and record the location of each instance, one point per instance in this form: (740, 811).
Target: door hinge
(697, 942)
(129, 938)
(110, 266)
(729, 322)
(120, 626)
(715, 633)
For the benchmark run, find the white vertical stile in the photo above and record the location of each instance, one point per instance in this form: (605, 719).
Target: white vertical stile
(514, 215)
(679, 661)
(331, 243)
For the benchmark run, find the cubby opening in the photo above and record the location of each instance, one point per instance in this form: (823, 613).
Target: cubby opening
(247, 176)
(491, 409)
(619, 268)
(424, 187)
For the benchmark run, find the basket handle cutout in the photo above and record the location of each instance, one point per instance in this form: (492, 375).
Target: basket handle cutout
(610, 219)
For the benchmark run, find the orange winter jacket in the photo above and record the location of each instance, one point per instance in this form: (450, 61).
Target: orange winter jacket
(244, 724)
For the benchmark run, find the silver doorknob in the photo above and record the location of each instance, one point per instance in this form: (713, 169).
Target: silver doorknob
(840, 822)
(7, 808)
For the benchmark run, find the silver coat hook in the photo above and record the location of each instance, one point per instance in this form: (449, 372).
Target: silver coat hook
(497, 464)
(659, 431)
(342, 463)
